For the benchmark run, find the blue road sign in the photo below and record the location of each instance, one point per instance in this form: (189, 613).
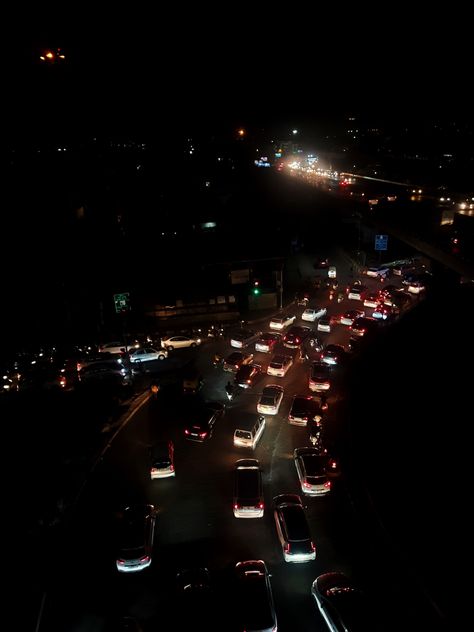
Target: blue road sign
(381, 242)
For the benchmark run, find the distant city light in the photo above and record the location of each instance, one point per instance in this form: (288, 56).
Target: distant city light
(295, 131)
(241, 132)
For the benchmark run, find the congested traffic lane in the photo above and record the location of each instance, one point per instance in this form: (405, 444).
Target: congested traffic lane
(196, 525)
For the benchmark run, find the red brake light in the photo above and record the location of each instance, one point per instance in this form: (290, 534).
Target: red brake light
(313, 548)
(202, 435)
(236, 506)
(307, 485)
(121, 562)
(248, 381)
(327, 484)
(297, 340)
(145, 558)
(186, 432)
(172, 468)
(287, 547)
(261, 505)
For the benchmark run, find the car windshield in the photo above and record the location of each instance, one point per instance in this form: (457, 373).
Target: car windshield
(276, 365)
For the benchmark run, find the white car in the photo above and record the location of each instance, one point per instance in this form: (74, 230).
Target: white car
(270, 400)
(147, 353)
(112, 347)
(280, 323)
(313, 313)
(372, 300)
(324, 325)
(279, 365)
(179, 342)
(378, 273)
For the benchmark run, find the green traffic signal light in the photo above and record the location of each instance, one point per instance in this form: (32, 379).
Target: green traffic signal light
(256, 290)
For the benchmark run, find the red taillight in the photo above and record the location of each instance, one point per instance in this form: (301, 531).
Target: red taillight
(154, 470)
(145, 558)
(248, 381)
(171, 468)
(327, 484)
(333, 464)
(306, 485)
(186, 432)
(121, 562)
(236, 506)
(287, 547)
(261, 505)
(313, 548)
(62, 382)
(202, 435)
(297, 341)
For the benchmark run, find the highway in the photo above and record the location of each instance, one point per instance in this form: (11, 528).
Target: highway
(196, 526)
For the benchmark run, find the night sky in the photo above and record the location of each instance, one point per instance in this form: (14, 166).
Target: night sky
(147, 71)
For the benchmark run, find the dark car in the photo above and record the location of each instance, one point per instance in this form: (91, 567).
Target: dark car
(202, 420)
(296, 335)
(333, 355)
(364, 326)
(293, 529)
(195, 600)
(256, 609)
(342, 604)
(192, 382)
(303, 409)
(110, 372)
(136, 532)
(235, 360)
(247, 375)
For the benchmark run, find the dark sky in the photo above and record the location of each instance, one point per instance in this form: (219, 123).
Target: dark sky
(145, 68)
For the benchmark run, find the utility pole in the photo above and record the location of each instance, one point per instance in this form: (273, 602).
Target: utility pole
(281, 287)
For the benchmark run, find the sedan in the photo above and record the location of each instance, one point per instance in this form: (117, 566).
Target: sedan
(281, 322)
(313, 313)
(179, 342)
(279, 365)
(349, 317)
(270, 400)
(247, 375)
(256, 609)
(333, 355)
(136, 532)
(311, 467)
(237, 359)
(342, 604)
(293, 529)
(304, 409)
(267, 342)
(202, 422)
(319, 379)
(372, 299)
(148, 353)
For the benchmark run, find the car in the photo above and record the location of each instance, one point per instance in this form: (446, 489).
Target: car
(235, 360)
(333, 355)
(196, 600)
(293, 529)
(147, 353)
(332, 272)
(112, 347)
(378, 273)
(192, 381)
(279, 365)
(322, 262)
(296, 335)
(135, 537)
(256, 611)
(372, 299)
(319, 379)
(248, 499)
(324, 325)
(179, 342)
(270, 400)
(247, 375)
(202, 421)
(416, 287)
(304, 409)
(313, 313)
(244, 337)
(356, 292)
(362, 326)
(404, 268)
(267, 341)
(281, 322)
(162, 460)
(384, 312)
(311, 466)
(109, 372)
(343, 605)
(349, 317)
